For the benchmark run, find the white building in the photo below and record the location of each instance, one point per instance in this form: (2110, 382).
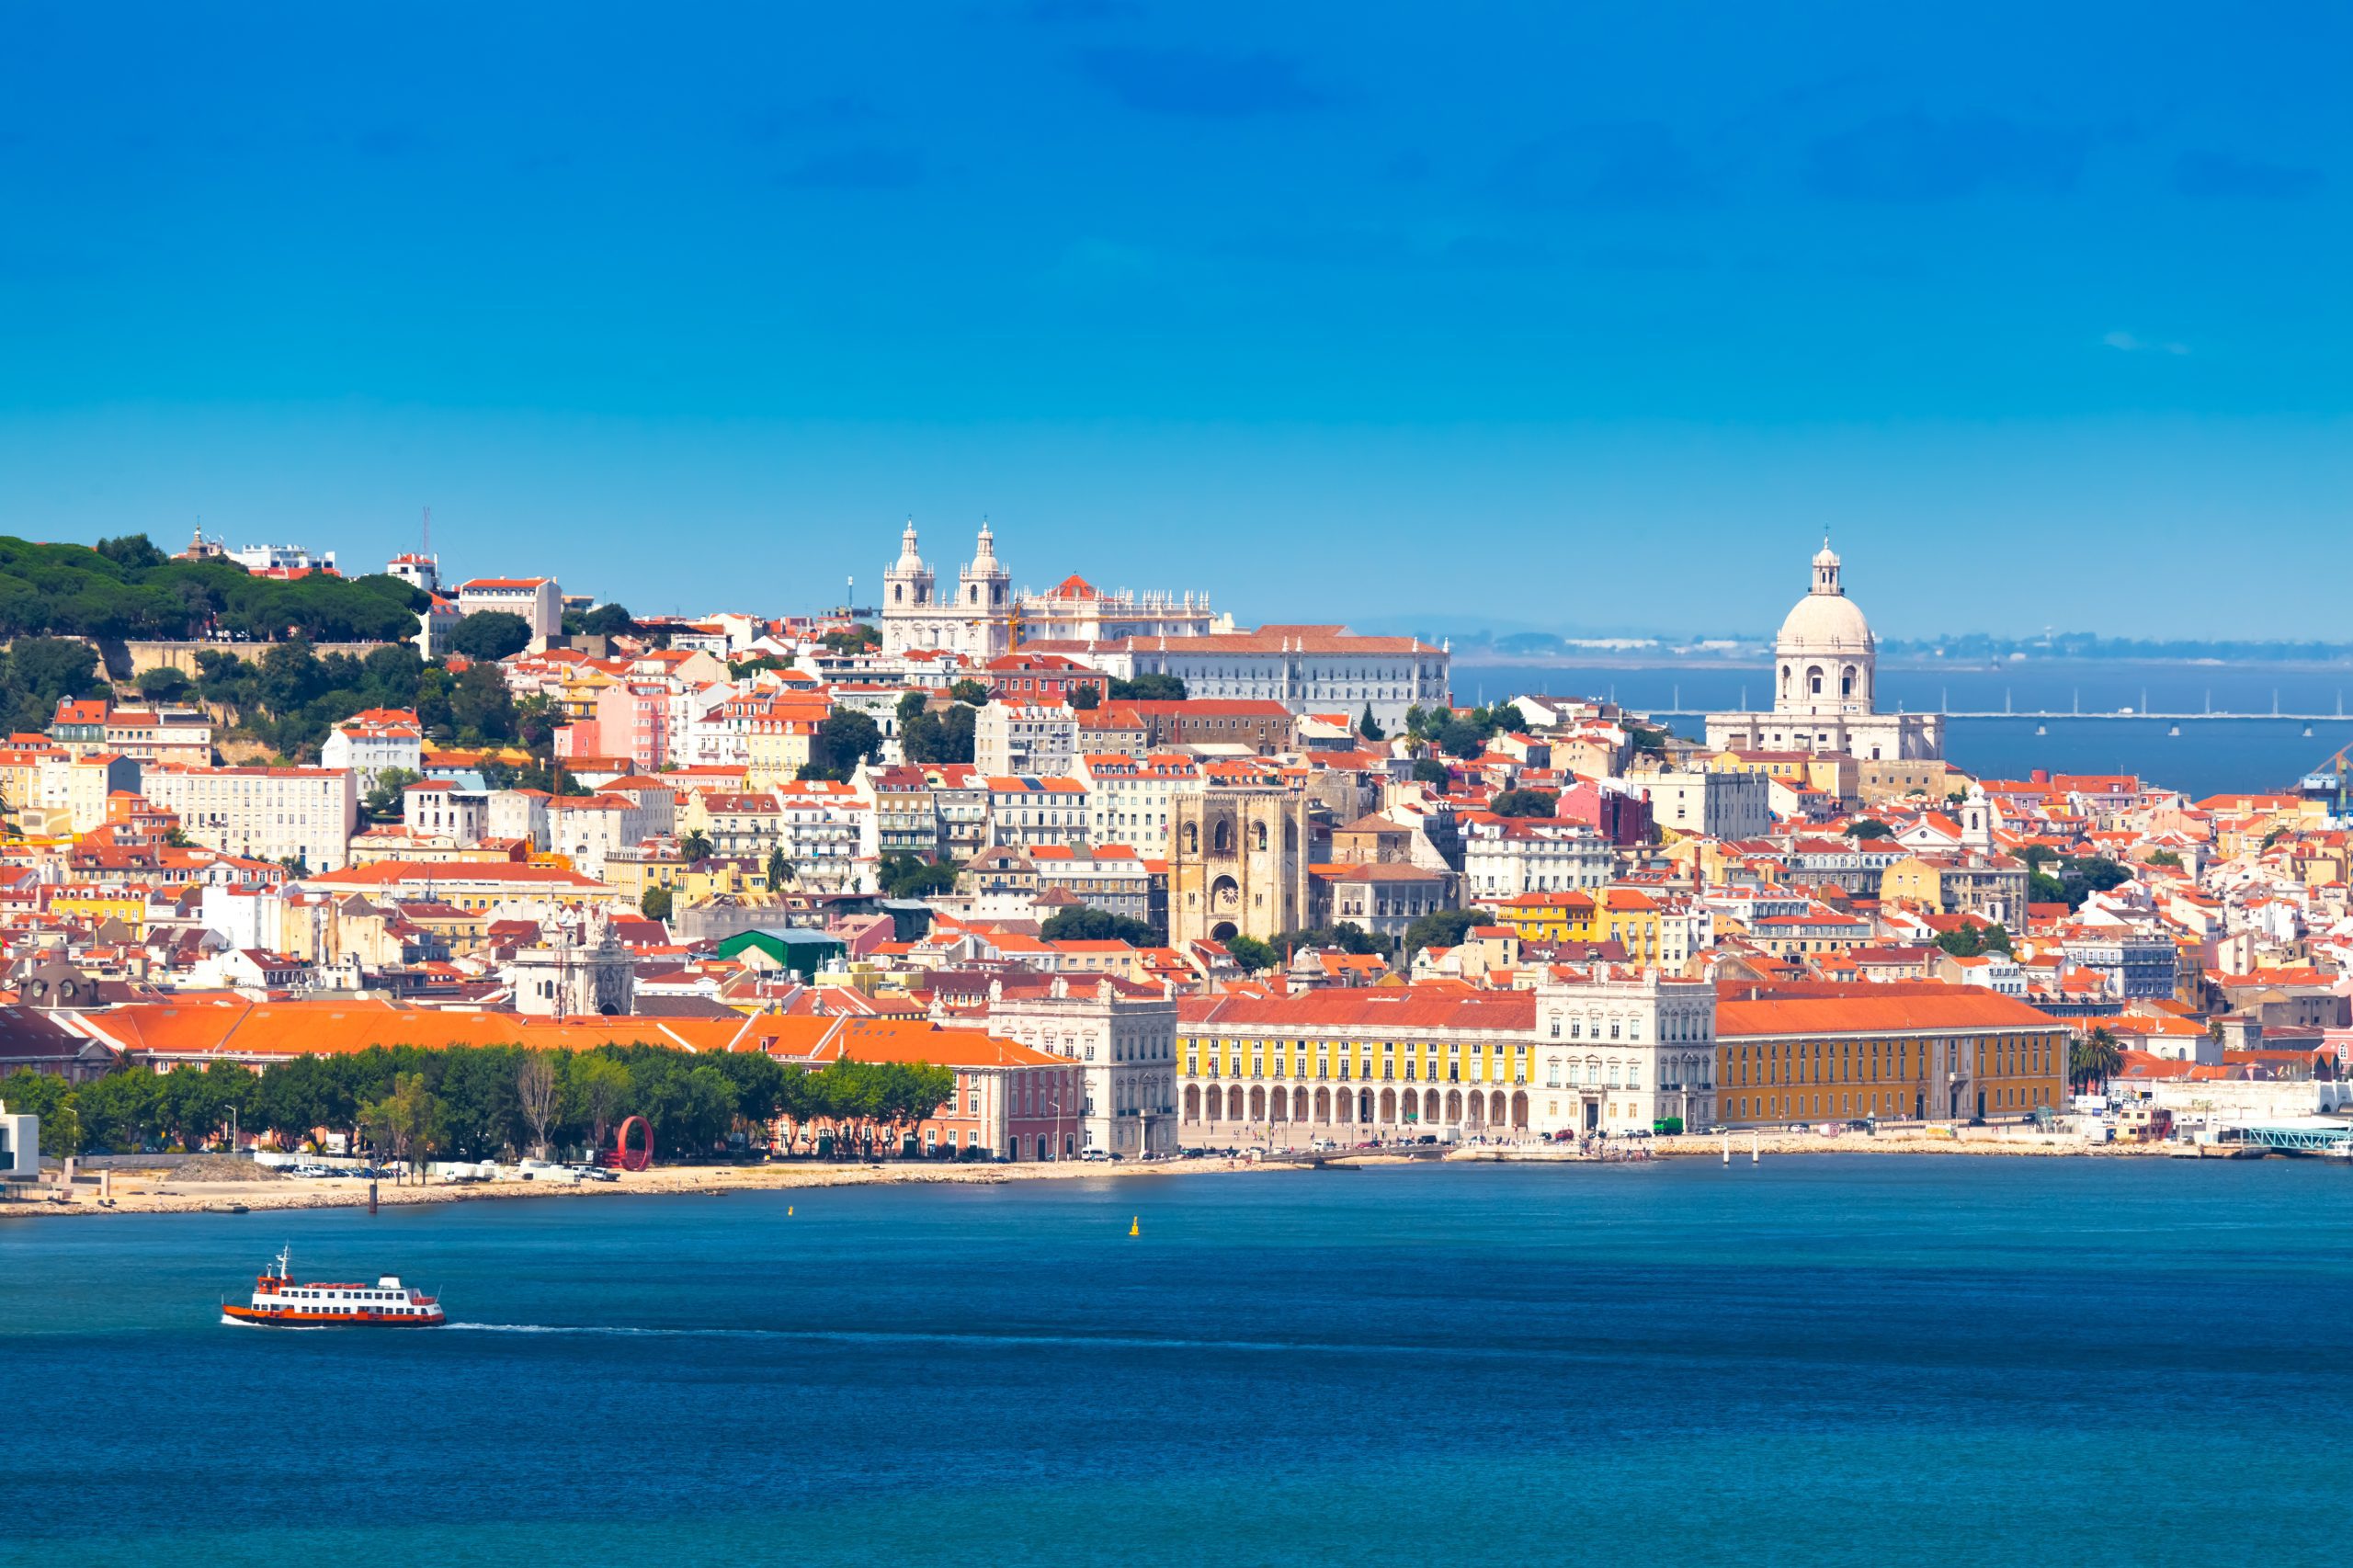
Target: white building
(78, 785)
(373, 743)
(263, 813)
(1075, 610)
(1309, 670)
(281, 558)
(1825, 673)
(518, 813)
(975, 620)
(826, 830)
(588, 828)
(1624, 1049)
(1011, 734)
(1517, 854)
(436, 808)
(417, 571)
(1715, 804)
(536, 599)
(1125, 1044)
(1128, 799)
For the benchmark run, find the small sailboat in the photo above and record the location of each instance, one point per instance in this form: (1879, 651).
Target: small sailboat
(2174, 731)
(2043, 728)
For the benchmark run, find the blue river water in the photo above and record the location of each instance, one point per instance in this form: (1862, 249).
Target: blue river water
(2208, 757)
(1814, 1359)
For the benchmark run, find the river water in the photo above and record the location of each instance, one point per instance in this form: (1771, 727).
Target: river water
(1816, 1359)
(2208, 757)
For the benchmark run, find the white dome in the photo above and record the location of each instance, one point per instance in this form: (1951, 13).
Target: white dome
(1825, 623)
(1825, 556)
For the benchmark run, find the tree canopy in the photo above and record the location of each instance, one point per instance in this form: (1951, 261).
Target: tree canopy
(845, 739)
(128, 589)
(1084, 923)
(1525, 803)
(1440, 929)
(490, 634)
(1148, 689)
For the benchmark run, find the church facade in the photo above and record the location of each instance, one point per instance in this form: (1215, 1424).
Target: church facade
(975, 618)
(1825, 673)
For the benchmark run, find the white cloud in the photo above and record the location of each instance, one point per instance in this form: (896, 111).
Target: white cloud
(2131, 344)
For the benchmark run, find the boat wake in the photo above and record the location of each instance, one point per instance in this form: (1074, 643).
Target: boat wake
(885, 1336)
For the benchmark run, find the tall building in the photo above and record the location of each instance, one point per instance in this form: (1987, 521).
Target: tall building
(975, 620)
(1825, 674)
(1237, 865)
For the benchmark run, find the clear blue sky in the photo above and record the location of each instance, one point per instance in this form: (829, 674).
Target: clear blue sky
(1566, 316)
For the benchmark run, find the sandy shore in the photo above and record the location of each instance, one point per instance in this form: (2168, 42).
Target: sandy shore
(153, 1192)
(156, 1192)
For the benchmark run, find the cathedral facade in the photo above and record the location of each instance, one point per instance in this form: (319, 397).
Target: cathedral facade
(1825, 671)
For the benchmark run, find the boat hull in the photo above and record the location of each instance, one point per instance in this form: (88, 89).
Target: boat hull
(323, 1320)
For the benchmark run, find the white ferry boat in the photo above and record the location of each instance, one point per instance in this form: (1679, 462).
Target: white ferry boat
(280, 1301)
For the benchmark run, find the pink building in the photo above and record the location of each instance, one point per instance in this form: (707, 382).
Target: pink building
(634, 721)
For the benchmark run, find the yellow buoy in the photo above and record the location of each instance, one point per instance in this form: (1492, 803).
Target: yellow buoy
(1135, 1226)
(788, 1211)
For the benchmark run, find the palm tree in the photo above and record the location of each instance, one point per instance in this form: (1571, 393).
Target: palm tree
(779, 869)
(2094, 1057)
(695, 847)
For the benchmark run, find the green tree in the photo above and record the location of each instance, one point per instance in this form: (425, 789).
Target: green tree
(2167, 858)
(1149, 688)
(2093, 1059)
(123, 1112)
(969, 692)
(694, 847)
(598, 1087)
(1463, 737)
(133, 551)
(386, 800)
(857, 639)
(490, 634)
(481, 706)
(408, 1123)
(778, 869)
(1085, 698)
(1370, 727)
(608, 620)
(845, 739)
(1254, 956)
(164, 683)
(47, 1097)
(1863, 828)
(1083, 923)
(902, 875)
(1429, 770)
(654, 903)
(1524, 803)
(1439, 929)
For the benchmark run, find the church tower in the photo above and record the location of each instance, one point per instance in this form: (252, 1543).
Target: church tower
(909, 616)
(985, 603)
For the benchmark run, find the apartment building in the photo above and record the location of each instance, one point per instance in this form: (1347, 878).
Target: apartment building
(536, 599)
(294, 814)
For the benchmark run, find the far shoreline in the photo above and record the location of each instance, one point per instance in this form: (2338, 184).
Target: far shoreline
(137, 1192)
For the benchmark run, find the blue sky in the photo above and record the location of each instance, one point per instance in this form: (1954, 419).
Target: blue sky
(1566, 316)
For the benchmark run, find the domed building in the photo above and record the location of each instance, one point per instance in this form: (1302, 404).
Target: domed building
(1825, 673)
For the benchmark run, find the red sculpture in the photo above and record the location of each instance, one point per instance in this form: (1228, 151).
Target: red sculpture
(620, 1156)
